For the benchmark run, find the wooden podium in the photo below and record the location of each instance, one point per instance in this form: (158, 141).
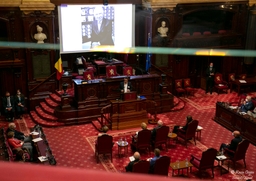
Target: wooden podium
(129, 96)
(129, 113)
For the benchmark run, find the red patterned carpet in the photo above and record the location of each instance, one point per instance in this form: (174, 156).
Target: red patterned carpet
(73, 146)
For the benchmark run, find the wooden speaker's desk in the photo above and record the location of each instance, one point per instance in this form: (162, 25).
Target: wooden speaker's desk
(232, 120)
(128, 114)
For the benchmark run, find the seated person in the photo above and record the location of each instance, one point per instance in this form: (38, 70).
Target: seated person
(188, 120)
(252, 113)
(104, 131)
(153, 160)
(22, 156)
(17, 134)
(19, 101)
(8, 106)
(247, 104)
(125, 86)
(129, 167)
(143, 127)
(135, 136)
(234, 142)
(153, 132)
(16, 144)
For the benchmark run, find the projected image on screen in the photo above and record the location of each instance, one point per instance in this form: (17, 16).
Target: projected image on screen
(83, 27)
(98, 25)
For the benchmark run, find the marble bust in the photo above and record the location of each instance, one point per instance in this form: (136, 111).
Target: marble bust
(39, 36)
(162, 30)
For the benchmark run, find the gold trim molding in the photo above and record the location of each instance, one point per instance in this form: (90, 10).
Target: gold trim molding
(252, 2)
(29, 6)
(170, 4)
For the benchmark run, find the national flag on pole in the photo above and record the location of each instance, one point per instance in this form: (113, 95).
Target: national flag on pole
(148, 61)
(58, 66)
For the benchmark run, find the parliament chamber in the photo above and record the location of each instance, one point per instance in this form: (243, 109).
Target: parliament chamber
(197, 33)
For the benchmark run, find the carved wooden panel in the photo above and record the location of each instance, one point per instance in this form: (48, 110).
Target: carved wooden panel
(41, 65)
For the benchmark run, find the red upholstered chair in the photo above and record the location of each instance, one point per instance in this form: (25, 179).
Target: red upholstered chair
(127, 70)
(111, 71)
(162, 166)
(143, 140)
(219, 83)
(141, 166)
(207, 33)
(188, 87)
(222, 31)
(206, 161)
(189, 133)
(88, 65)
(239, 154)
(197, 33)
(178, 87)
(185, 34)
(161, 137)
(231, 78)
(88, 75)
(103, 145)
(243, 76)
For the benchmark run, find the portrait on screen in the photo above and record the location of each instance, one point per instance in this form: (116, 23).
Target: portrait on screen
(83, 27)
(97, 26)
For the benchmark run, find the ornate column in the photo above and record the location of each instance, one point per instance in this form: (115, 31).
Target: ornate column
(250, 43)
(39, 13)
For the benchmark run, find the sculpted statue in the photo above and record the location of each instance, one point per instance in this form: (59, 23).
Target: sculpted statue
(162, 30)
(39, 36)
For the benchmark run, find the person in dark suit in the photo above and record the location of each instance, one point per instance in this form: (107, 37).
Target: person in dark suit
(101, 29)
(17, 134)
(19, 103)
(247, 104)
(153, 132)
(8, 106)
(188, 120)
(234, 142)
(210, 71)
(125, 86)
(129, 167)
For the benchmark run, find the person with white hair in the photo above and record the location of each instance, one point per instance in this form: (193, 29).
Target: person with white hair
(234, 142)
(153, 132)
(101, 29)
(17, 134)
(247, 104)
(129, 167)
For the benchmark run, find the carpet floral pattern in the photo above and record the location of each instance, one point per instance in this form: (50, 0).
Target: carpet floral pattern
(73, 146)
(202, 101)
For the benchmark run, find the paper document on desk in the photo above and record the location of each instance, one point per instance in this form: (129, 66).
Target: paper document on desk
(233, 107)
(131, 158)
(221, 157)
(242, 81)
(37, 139)
(43, 158)
(34, 133)
(199, 127)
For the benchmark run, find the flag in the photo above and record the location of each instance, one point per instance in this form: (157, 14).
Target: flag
(58, 66)
(148, 61)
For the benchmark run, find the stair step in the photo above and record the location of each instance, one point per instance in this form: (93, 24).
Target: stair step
(55, 98)
(44, 115)
(42, 122)
(50, 102)
(46, 108)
